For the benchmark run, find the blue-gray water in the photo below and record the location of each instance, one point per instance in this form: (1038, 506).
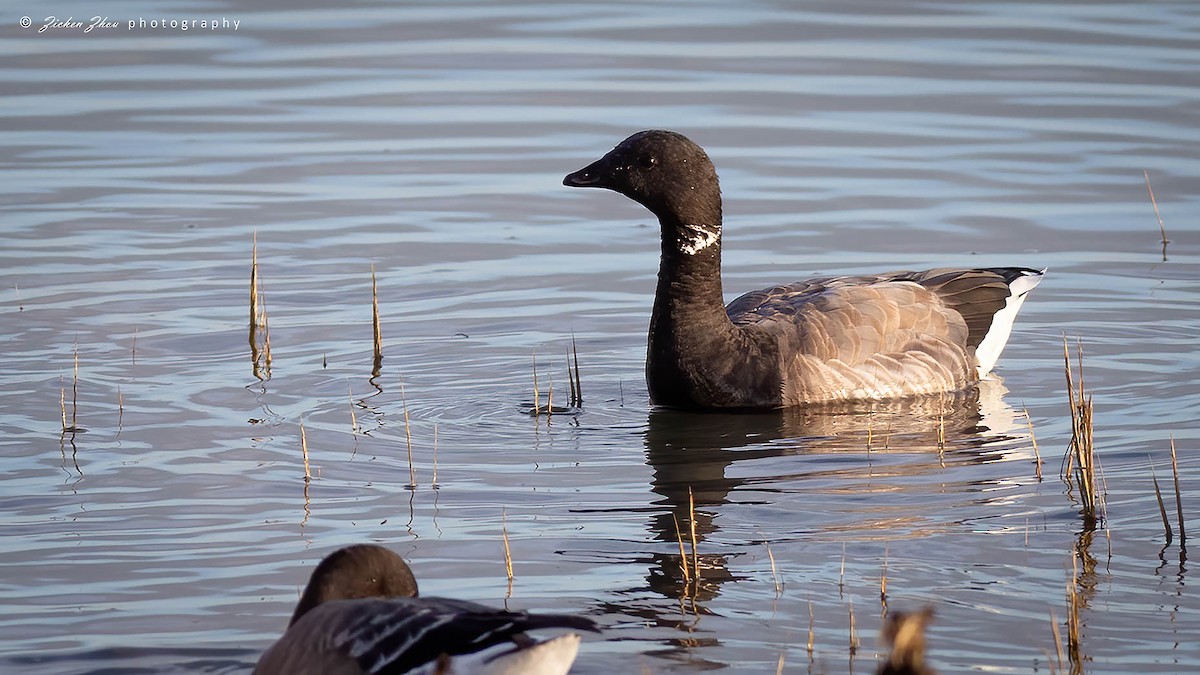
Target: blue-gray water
(429, 141)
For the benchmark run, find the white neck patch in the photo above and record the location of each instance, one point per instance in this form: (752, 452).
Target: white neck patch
(696, 238)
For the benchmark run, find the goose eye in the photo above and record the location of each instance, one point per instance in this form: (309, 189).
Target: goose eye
(647, 161)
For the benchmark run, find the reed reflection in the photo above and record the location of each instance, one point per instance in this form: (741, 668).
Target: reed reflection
(691, 455)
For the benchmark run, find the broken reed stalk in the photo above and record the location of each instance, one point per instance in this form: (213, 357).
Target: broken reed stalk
(433, 482)
(378, 335)
(62, 401)
(774, 571)
(1178, 499)
(1162, 230)
(1162, 508)
(507, 551)
(578, 393)
(261, 355)
(304, 450)
(1033, 439)
(75, 391)
(883, 582)
(811, 629)
(692, 522)
(1080, 459)
(254, 284)
(353, 417)
(854, 643)
(537, 400)
(842, 570)
(412, 472)
(779, 666)
(683, 559)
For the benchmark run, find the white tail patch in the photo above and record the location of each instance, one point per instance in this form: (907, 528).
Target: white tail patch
(550, 657)
(993, 343)
(696, 238)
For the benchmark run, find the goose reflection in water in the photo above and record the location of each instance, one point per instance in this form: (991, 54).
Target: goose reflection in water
(717, 459)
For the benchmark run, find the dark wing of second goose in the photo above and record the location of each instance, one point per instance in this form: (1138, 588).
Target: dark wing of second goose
(399, 634)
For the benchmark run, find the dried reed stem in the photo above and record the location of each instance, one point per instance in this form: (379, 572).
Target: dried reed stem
(842, 570)
(578, 401)
(1162, 508)
(1162, 230)
(854, 642)
(779, 666)
(508, 567)
(1033, 439)
(353, 417)
(537, 398)
(254, 282)
(1081, 452)
(433, 483)
(378, 335)
(692, 522)
(683, 559)
(304, 450)
(811, 628)
(883, 581)
(62, 401)
(774, 571)
(75, 392)
(412, 472)
(1178, 499)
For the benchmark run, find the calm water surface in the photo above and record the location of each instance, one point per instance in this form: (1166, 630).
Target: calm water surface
(173, 529)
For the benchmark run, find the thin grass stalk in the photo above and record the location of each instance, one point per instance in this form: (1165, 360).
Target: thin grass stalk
(842, 570)
(378, 334)
(434, 482)
(75, 392)
(774, 571)
(1162, 508)
(1033, 439)
(304, 451)
(254, 287)
(854, 642)
(353, 417)
(811, 628)
(883, 582)
(1162, 230)
(1178, 497)
(692, 521)
(508, 566)
(412, 472)
(683, 559)
(537, 399)
(62, 401)
(578, 380)
(1081, 462)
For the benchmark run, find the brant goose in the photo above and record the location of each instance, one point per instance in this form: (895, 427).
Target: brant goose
(827, 339)
(360, 614)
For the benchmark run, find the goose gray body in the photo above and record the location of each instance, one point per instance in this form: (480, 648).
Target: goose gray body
(360, 614)
(821, 340)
